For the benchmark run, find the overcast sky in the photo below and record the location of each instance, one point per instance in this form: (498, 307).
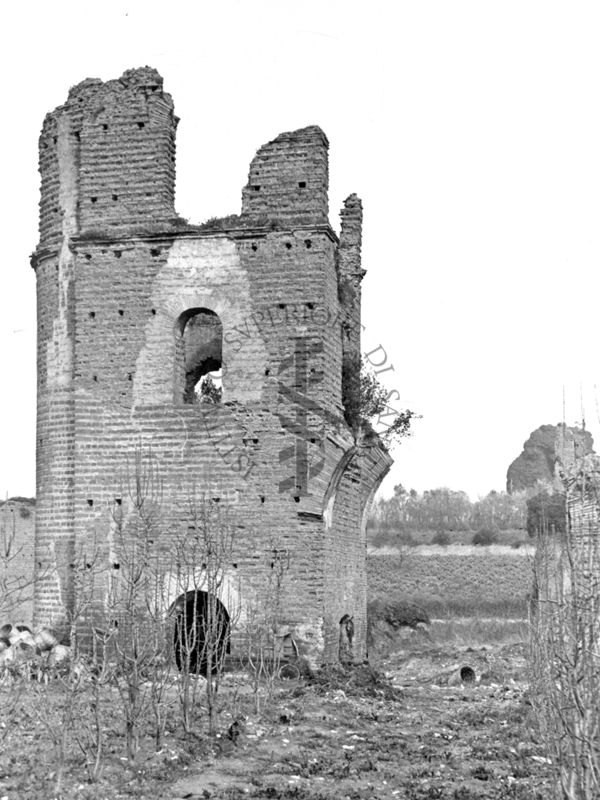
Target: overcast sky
(471, 131)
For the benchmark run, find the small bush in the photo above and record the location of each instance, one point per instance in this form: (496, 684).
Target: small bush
(442, 538)
(397, 613)
(516, 544)
(209, 391)
(485, 536)
(24, 512)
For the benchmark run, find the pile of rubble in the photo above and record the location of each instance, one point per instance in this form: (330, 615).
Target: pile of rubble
(20, 646)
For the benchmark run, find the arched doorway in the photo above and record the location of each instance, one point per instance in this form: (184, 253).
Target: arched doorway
(201, 635)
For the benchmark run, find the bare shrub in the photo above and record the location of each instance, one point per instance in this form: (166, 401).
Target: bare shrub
(67, 704)
(203, 553)
(135, 636)
(15, 588)
(263, 632)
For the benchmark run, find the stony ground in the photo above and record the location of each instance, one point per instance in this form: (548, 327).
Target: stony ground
(413, 731)
(420, 734)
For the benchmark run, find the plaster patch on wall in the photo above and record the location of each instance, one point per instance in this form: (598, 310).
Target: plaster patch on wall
(203, 273)
(328, 512)
(49, 582)
(59, 354)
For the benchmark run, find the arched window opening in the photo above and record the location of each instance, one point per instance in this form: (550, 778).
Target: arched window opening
(346, 639)
(201, 354)
(201, 636)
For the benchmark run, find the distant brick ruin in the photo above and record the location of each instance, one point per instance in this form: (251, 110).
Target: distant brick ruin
(17, 524)
(136, 307)
(577, 473)
(572, 556)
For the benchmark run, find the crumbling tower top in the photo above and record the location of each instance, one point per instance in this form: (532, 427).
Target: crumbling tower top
(289, 178)
(108, 158)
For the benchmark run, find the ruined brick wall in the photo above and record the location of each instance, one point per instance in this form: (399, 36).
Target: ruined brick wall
(567, 565)
(17, 527)
(119, 278)
(581, 481)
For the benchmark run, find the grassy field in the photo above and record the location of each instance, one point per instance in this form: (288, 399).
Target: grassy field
(470, 581)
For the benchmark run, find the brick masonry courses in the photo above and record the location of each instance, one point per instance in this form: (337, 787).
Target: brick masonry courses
(118, 273)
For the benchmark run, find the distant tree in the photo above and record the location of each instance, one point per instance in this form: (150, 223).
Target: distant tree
(436, 509)
(377, 515)
(546, 513)
(500, 510)
(390, 514)
(398, 504)
(445, 509)
(373, 518)
(400, 492)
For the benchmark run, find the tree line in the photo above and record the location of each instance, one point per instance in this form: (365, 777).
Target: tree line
(539, 510)
(446, 509)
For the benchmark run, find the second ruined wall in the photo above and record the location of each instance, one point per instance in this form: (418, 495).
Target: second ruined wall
(17, 526)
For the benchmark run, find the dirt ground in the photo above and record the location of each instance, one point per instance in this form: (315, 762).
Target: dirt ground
(417, 732)
(411, 730)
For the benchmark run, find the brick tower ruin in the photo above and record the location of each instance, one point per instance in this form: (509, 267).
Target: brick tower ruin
(136, 307)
